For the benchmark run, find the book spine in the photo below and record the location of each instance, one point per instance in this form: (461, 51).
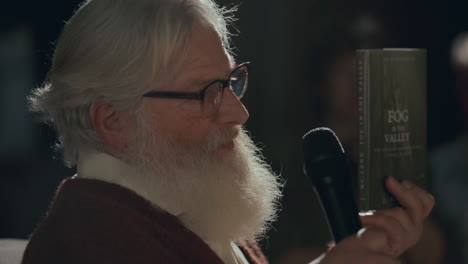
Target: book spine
(364, 144)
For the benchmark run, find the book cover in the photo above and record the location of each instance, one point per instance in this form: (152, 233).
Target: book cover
(392, 122)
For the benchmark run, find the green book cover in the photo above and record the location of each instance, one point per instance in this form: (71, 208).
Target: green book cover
(392, 122)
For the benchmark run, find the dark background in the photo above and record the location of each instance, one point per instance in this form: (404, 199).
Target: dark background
(287, 41)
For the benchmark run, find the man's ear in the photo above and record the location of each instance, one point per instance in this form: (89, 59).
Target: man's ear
(111, 124)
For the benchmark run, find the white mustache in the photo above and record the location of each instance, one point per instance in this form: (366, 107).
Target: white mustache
(221, 137)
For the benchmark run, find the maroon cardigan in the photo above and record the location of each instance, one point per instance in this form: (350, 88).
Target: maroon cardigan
(92, 221)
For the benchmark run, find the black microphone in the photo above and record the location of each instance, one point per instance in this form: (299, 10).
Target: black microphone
(327, 165)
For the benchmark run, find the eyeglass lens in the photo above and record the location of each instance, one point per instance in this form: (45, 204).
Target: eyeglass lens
(214, 93)
(238, 81)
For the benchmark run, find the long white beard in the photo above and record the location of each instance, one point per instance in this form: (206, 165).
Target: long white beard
(222, 198)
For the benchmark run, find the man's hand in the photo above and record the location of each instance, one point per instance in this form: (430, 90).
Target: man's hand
(386, 233)
(355, 250)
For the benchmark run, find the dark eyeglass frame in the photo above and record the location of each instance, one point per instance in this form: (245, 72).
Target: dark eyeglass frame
(200, 95)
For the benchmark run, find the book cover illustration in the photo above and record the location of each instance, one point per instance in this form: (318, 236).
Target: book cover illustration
(392, 122)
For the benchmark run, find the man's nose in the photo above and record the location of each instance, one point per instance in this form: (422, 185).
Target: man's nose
(231, 110)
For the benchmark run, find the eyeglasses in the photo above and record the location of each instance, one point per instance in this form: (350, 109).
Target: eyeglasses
(211, 96)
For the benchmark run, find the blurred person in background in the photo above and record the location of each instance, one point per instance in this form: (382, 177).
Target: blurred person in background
(145, 97)
(449, 165)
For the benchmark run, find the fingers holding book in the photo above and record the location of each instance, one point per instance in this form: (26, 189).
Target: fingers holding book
(403, 225)
(415, 201)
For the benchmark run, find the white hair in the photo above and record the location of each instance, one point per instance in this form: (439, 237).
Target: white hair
(115, 51)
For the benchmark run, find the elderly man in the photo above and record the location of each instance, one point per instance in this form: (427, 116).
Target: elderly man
(144, 95)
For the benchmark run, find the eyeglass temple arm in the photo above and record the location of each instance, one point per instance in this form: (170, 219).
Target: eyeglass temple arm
(175, 95)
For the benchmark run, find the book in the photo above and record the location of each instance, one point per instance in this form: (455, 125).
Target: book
(392, 122)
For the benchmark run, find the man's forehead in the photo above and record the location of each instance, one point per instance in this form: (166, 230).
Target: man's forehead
(199, 72)
(222, 63)
(206, 73)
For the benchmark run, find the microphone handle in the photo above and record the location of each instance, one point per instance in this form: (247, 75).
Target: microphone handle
(334, 189)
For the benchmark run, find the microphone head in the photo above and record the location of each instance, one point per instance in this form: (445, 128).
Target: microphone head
(321, 143)
(324, 158)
